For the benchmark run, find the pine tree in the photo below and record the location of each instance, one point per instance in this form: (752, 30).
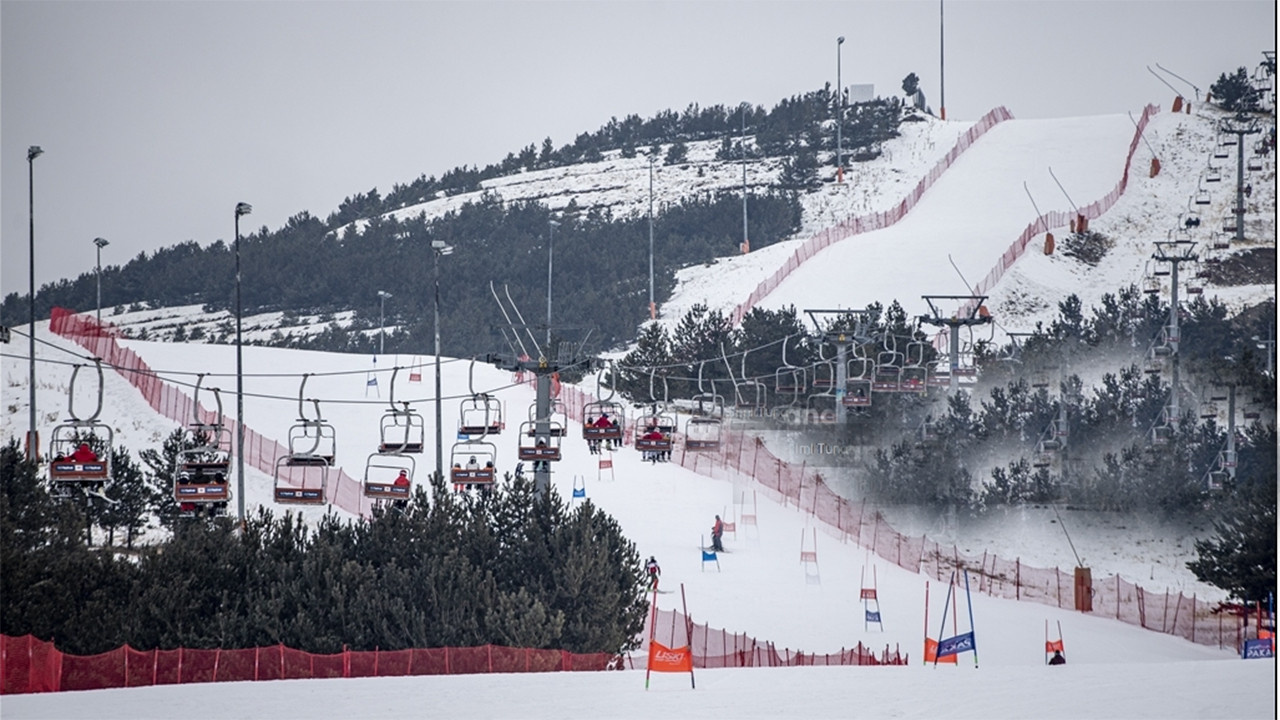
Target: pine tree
(1241, 557)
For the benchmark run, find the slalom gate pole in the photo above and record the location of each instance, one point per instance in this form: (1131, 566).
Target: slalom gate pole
(969, 599)
(926, 620)
(653, 622)
(1046, 641)
(1064, 645)
(946, 604)
(688, 623)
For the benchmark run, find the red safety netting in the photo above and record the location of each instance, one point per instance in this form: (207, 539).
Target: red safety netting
(718, 648)
(30, 665)
(871, 222)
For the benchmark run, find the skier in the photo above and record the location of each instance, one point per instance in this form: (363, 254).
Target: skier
(717, 531)
(1057, 658)
(402, 480)
(654, 571)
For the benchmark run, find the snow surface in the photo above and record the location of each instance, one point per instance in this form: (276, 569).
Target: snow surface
(1115, 670)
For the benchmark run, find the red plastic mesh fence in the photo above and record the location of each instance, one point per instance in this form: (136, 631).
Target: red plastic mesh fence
(849, 227)
(718, 648)
(30, 665)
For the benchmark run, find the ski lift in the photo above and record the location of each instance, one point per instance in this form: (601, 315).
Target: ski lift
(1201, 196)
(858, 376)
(702, 431)
(480, 414)
(1162, 431)
(887, 375)
(1231, 222)
(81, 448)
(1153, 365)
(1253, 164)
(472, 464)
(415, 370)
(748, 393)
(1163, 268)
(401, 429)
(1195, 279)
(789, 379)
(201, 472)
(388, 476)
(940, 372)
(654, 431)
(556, 419)
(603, 418)
(824, 371)
(914, 375)
(302, 475)
(532, 448)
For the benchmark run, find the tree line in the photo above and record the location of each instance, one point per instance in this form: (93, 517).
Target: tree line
(514, 567)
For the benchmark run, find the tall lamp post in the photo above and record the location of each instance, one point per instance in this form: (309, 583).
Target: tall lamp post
(653, 314)
(551, 236)
(438, 248)
(241, 209)
(100, 243)
(839, 115)
(33, 438)
(382, 307)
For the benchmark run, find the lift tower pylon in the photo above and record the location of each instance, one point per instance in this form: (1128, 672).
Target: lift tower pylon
(972, 312)
(842, 328)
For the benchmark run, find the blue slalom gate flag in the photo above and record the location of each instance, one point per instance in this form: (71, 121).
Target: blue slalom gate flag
(956, 645)
(873, 616)
(708, 555)
(372, 382)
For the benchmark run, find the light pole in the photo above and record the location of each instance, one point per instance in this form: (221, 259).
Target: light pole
(382, 307)
(438, 248)
(241, 209)
(33, 438)
(652, 308)
(551, 236)
(745, 243)
(839, 115)
(101, 243)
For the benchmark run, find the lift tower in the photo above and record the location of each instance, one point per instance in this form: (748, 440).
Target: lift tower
(1173, 252)
(972, 312)
(1240, 126)
(842, 328)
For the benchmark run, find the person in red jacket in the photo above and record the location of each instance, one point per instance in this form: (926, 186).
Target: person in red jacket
(402, 480)
(84, 454)
(717, 531)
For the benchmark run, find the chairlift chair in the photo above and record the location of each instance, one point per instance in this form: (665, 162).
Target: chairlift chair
(381, 473)
(887, 375)
(558, 425)
(201, 476)
(402, 431)
(472, 464)
(1253, 164)
(533, 449)
(71, 469)
(939, 372)
(790, 379)
(480, 414)
(594, 429)
(702, 433)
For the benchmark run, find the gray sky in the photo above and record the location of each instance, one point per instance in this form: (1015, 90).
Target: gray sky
(156, 118)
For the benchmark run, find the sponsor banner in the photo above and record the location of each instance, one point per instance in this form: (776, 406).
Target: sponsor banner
(665, 659)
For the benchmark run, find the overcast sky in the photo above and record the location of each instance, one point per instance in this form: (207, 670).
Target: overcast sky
(156, 118)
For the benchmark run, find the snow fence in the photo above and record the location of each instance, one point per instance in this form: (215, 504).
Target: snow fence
(28, 664)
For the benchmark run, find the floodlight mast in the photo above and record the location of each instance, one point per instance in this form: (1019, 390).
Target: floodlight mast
(976, 315)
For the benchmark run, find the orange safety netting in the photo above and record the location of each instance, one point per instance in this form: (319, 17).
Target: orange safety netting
(29, 665)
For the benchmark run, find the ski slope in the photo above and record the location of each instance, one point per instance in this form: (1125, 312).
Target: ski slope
(968, 217)
(760, 588)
